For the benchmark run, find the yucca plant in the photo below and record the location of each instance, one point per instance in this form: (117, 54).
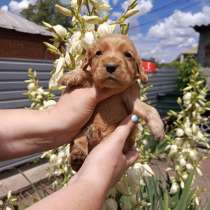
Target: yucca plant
(90, 21)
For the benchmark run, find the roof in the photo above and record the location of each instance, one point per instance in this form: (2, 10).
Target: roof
(200, 28)
(15, 22)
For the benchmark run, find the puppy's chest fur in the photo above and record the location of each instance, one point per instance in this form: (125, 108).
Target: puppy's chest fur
(107, 116)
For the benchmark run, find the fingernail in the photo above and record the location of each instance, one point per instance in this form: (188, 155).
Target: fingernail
(135, 118)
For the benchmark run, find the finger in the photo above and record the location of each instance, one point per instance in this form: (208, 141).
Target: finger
(131, 157)
(122, 132)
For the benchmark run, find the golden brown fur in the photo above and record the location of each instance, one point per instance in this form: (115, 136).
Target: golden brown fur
(112, 62)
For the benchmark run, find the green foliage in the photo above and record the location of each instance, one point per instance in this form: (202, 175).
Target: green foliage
(44, 10)
(185, 71)
(186, 133)
(208, 206)
(156, 193)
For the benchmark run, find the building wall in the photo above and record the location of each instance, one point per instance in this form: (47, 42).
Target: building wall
(13, 73)
(204, 48)
(15, 44)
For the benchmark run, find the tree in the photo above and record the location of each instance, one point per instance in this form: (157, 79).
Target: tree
(44, 10)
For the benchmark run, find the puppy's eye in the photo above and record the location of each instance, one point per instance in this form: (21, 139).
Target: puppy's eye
(127, 55)
(99, 52)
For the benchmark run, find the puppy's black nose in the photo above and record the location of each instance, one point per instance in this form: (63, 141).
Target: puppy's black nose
(111, 67)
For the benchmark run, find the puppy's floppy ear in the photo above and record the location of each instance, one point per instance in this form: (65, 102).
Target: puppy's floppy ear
(140, 70)
(86, 63)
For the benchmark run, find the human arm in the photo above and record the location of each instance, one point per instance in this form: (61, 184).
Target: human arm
(102, 168)
(25, 131)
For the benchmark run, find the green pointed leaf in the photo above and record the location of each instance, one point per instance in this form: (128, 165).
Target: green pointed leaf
(182, 204)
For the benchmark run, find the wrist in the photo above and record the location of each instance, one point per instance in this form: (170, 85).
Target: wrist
(99, 188)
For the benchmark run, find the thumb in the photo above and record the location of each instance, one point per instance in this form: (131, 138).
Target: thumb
(131, 157)
(122, 132)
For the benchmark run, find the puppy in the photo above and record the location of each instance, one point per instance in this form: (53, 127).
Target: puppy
(112, 62)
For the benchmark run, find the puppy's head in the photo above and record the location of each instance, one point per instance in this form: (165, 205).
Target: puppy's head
(113, 62)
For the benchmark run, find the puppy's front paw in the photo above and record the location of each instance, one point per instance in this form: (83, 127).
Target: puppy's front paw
(74, 78)
(156, 125)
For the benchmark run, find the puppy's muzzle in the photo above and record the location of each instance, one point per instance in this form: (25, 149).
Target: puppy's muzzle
(111, 67)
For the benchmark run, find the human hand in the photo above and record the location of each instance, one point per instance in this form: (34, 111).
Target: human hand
(102, 168)
(106, 163)
(75, 108)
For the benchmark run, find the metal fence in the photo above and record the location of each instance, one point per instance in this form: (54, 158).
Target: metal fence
(163, 91)
(12, 87)
(13, 73)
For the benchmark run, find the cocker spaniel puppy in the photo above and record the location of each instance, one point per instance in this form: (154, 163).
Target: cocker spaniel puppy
(112, 62)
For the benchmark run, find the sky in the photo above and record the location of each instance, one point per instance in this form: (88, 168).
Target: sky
(161, 30)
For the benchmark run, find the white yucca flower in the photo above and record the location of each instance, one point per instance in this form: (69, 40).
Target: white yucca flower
(184, 176)
(60, 31)
(173, 149)
(189, 166)
(31, 86)
(74, 3)
(187, 128)
(105, 29)
(59, 161)
(58, 72)
(179, 141)
(88, 39)
(74, 45)
(89, 27)
(53, 158)
(40, 90)
(145, 142)
(101, 5)
(194, 128)
(91, 19)
(145, 169)
(187, 96)
(61, 154)
(193, 154)
(58, 172)
(179, 132)
(200, 135)
(9, 194)
(131, 13)
(174, 188)
(182, 162)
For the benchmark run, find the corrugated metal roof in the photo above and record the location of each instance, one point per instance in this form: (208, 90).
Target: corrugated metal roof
(15, 22)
